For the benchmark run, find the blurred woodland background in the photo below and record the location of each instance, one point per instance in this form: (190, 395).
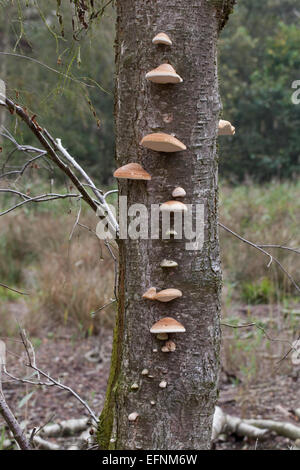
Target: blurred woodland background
(259, 176)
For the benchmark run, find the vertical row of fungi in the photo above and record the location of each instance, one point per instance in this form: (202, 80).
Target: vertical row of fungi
(166, 143)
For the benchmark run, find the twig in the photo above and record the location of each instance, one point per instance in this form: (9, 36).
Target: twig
(39, 133)
(103, 306)
(50, 380)
(13, 425)
(40, 198)
(271, 258)
(13, 290)
(294, 250)
(76, 221)
(111, 218)
(48, 68)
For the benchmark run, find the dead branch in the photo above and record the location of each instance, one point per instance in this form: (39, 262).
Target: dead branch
(13, 290)
(65, 428)
(5, 411)
(51, 382)
(271, 258)
(253, 428)
(283, 429)
(40, 198)
(52, 155)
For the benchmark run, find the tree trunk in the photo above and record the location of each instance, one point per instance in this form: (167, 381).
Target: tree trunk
(181, 417)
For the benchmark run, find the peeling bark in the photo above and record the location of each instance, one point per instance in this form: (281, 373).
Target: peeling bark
(182, 415)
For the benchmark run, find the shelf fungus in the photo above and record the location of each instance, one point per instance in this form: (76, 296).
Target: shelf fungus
(226, 128)
(132, 171)
(179, 192)
(161, 142)
(163, 384)
(150, 294)
(173, 206)
(162, 38)
(133, 416)
(169, 346)
(168, 263)
(167, 325)
(164, 74)
(165, 295)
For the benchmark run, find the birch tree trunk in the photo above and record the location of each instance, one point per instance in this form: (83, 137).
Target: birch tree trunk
(181, 417)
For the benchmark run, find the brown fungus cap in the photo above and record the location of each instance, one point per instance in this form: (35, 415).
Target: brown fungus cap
(164, 74)
(132, 171)
(161, 142)
(162, 38)
(167, 325)
(226, 128)
(173, 206)
(167, 295)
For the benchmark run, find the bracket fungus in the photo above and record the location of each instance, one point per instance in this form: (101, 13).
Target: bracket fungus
(226, 128)
(133, 416)
(132, 171)
(163, 384)
(169, 346)
(167, 325)
(167, 295)
(173, 206)
(168, 263)
(161, 142)
(179, 192)
(162, 38)
(150, 293)
(164, 74)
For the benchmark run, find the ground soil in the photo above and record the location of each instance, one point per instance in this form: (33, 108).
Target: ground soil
(83, 364)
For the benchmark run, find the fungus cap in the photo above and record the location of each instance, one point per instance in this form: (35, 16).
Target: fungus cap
(178, 192)
(226, 128)
(161, 142)
(164, 74)
(162, 38)
(167, 295)
(169, 346)
(168, 263)
(173, 206)
(167, 325)
(150, 293)
(132, 171)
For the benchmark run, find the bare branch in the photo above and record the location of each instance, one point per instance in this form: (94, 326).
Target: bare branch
(76, 221)
(20, 56)
(39, 133)
(294, 250)
(271, 258)
(13, 425)
(98, 194)
(41, 198)
(50, 380)
(13, 290)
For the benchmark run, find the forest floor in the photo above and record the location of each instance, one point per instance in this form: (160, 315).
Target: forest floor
(83, 364)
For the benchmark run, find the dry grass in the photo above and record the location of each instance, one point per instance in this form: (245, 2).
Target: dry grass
(264, 215)
(68, 280)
